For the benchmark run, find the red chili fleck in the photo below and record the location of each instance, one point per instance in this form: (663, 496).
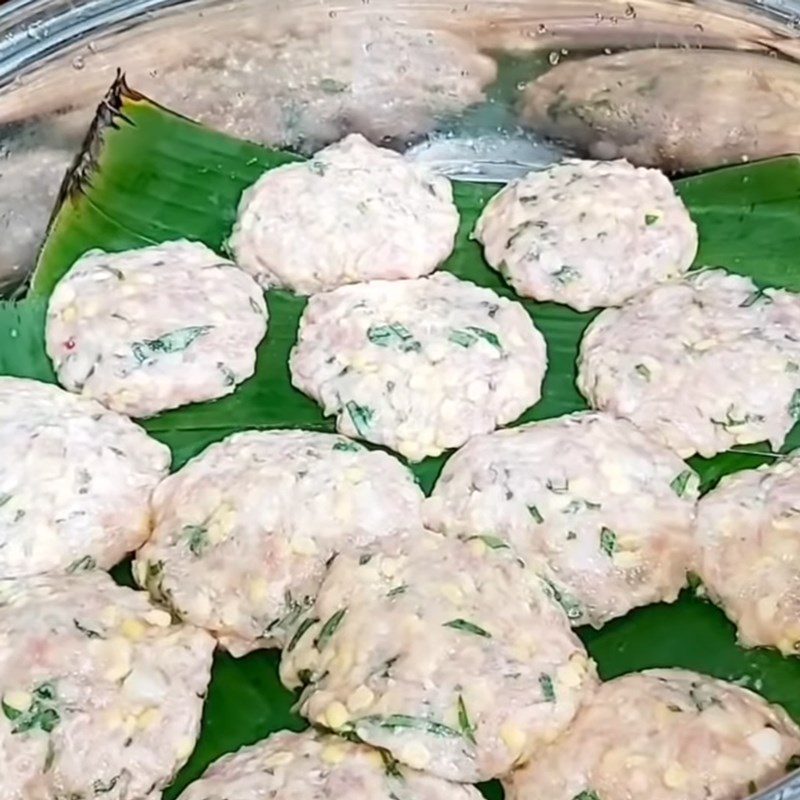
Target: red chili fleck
(69, 344)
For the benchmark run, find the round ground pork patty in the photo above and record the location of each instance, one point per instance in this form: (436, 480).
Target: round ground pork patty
(355, 212)
(748, 536)
(587, 233)
(665, 735)
(701, 364)
(146, 330)
(418, 365)
(600, 510)
(451, 655)
(101, 694)
(314, 766)
(75, 480)
(243, 532)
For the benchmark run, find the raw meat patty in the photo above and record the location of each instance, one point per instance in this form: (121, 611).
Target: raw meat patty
(748, 535)
(587, 233)
(313, 766)
(701, 364)
(101, 694)
(419, 365)
(602, 511)
(242, 533)
(151, 329)
(664, 735)
(450, 655)
(355, 212)
(75, 480)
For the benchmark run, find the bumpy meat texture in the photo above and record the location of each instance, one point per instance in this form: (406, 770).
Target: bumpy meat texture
(156, 328)
(678, 110)
(600, 510)
(355, 212)
(418, 365)
(101, 694)
(665, 735)
(701, 364)
(450, 655)
(313, 766)
(309, 82)
(748, 535)
(242, 533)
(587, 233)
(75, 480)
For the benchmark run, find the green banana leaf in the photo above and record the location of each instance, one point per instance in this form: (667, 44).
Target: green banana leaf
(146, 175)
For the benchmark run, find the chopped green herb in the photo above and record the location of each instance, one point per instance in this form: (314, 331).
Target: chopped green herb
(470, 335)
(255, 306)
(83, 564)
(754, 297)
(405, 722)
(587, 794)
(681, 482)
(307, 623)
(364, 559)
(793, 763)
(329, 628)
(792, 366)
(732, 422)
(331, 86)
(651, 219)
(694, 582)
(228, 376)
(346, 447)
(752, 787)
(467, 627)
(565, 275)
(794, 405)
(304, 676)
(390, 764)
(548, 691)
(87, 632)
(41, 714)
(397, 590)
(467, 729)
(317, 167)
(50, 756)
(572, 607)
(579, 504)
(4, 498)
(360, 415)
(174, 342)
(98, 787)
(534, 512)
(557, 488)
(197, 538)
(608, 541)
(642, 370)
(571, 535)
(487, 336)
(462, 338)
(492, 542)
(393, 335)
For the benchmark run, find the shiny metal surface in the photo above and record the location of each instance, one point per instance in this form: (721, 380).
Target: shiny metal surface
(463, 85)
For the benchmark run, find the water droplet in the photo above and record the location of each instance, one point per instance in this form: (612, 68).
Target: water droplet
(630, 11)
(92, 47)
(521, 85)
(564, 51)
(554, 57)
(78, 62)
(607, 51)
(14, 333)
